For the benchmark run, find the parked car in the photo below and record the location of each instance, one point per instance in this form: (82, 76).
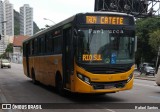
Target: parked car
(5, 63)
(143, 65)
(147, 70)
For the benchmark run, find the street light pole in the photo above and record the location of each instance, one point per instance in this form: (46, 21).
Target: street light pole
(49, 20)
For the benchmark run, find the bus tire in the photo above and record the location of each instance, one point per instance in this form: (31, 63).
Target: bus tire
(34, 77)
(59, 85)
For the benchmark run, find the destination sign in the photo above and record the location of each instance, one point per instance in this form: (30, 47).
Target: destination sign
(92, 57)
(110, 20)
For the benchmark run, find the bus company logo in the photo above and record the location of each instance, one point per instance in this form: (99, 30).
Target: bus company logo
(6, 106)
(110, 78)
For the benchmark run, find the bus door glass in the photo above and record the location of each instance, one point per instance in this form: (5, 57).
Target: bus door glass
(67, 51)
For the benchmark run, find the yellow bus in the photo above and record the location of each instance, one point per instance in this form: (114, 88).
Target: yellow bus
(86, 53)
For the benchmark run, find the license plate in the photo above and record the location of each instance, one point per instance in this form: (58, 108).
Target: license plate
(109, 87)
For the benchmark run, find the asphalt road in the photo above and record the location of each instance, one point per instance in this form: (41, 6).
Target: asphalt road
(15, 87)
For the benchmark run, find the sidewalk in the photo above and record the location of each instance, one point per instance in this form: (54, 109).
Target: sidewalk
(144, 77)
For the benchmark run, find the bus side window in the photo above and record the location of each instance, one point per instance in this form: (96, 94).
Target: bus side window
(43, 44)
(39, 45)
(24, 49)
(49, 43)
(35, 46)
(29, 48)
(53, 45)
(32, 47)
(58, 45)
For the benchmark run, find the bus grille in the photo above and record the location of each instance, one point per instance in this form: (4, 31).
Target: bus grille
(106, 69)
(108, 85)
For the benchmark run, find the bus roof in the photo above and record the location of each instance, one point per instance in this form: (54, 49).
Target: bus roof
(112, 13)
(71, 19)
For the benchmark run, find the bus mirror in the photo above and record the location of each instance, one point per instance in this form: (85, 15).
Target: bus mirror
(135, 49)
(75, 32)
(81, 34)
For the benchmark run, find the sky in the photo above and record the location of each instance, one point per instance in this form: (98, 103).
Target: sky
(55, 10)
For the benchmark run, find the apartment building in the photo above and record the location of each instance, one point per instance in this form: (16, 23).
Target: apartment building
(26, 20)
(1, 28)
(6, 24)
(9, 17)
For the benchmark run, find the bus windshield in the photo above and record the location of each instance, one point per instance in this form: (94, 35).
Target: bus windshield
(106, 46)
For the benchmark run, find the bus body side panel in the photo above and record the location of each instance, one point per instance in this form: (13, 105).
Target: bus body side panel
(24, 66)
(31, 65)
(52, 65)
(45, 68)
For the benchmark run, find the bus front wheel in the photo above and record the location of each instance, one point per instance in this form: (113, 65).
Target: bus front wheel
(59, 85)
(33, 77)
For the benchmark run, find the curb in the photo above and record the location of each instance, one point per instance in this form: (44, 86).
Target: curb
(145, 78)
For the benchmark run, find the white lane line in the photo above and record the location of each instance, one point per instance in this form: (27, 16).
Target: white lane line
(4, 100)
(155, 97)
(110, 110)
(152, 86)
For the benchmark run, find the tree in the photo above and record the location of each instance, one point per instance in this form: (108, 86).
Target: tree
(9, 48)
(154, 40)
(144, 27)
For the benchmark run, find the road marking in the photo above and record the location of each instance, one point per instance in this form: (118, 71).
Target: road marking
(107, 109)
(4, 100)
(110, 110)
(155, 97)
(146, 85)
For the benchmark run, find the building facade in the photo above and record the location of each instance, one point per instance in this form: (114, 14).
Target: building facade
(6, 24)
(1, 28)
(16, 56)
(9, 17)
(1, 16)
(26, 20)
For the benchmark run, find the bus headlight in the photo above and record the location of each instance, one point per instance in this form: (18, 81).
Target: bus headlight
(130, 77)
(83, 78)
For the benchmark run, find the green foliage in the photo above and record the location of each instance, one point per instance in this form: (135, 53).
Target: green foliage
(9, 48)
(154, 40)
(36, 28)
(144, 27)
(16, 23)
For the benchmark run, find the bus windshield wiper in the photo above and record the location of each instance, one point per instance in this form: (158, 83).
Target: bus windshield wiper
(90, 36)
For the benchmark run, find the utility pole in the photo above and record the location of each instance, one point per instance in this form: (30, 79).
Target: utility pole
(49, 20)
(157, 60)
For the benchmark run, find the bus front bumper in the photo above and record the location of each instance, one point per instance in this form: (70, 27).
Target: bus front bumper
(101, 87)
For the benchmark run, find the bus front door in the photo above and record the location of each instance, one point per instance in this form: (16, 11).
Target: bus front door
(67, 56)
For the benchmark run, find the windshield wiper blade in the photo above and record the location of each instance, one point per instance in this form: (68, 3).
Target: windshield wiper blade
(90, 40)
